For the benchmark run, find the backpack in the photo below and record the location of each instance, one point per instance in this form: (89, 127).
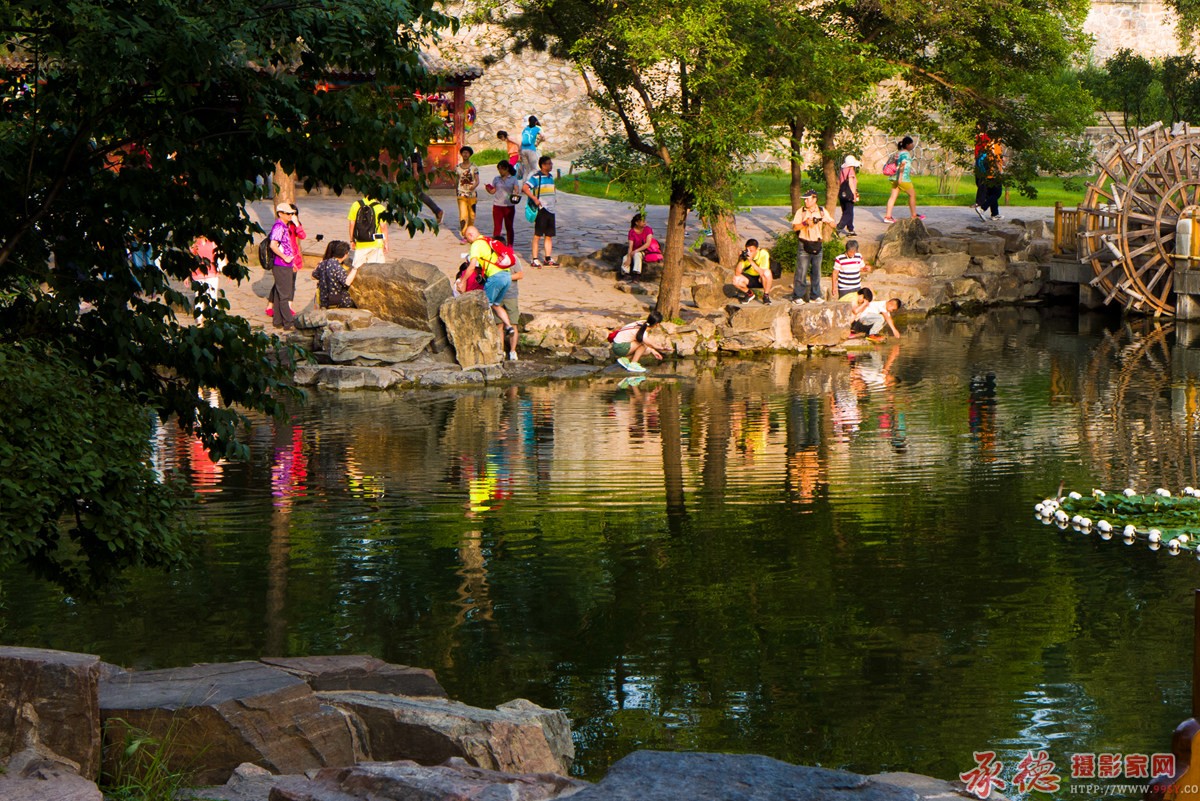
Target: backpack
(506, 259)
(612, 335)
(364, 222)
(776, 267)
(892, 164)
(266, 258)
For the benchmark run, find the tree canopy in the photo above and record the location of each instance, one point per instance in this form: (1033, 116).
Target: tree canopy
(135, 124)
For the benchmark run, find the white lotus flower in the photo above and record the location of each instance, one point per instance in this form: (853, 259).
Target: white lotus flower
(1085, 523)
(1130, 531)
(1076, 520)
(1154, 535)
(1106, 535)
(1061, 517)
(1173, 547)
(1104, 526)
(1166, 493)
(1040, 508)
(1130, 492)
(1097, 493)
(1075, 496)
(1189, 490)
(1184, 538)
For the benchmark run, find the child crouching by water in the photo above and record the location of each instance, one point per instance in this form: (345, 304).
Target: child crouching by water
(629, 343)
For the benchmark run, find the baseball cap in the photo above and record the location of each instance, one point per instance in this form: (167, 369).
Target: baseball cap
(810, 193)
(285, 208)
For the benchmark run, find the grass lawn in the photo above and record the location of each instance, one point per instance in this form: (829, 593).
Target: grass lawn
(772, 189)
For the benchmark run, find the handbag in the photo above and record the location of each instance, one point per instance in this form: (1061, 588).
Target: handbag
(531, 211)
(811, 246)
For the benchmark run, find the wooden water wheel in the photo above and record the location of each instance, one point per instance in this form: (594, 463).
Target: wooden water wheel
(1128, 217)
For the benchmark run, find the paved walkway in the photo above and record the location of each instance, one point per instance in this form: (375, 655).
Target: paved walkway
(585, 224)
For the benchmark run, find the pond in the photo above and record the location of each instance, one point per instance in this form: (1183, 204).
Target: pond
(829, 560)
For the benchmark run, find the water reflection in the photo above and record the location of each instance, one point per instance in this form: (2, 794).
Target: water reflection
(829, 559)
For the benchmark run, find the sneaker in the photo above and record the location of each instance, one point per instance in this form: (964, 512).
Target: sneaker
(746, 298)
(438, 217)
(978, 211)
(549, 262)
(624, 362)
(851, 232)
(637, 274)
(706, 232)
(634, 367)
(919, 217)
(875, 337)
(512, 356)
(889, 220)
(766, 299)
(799, 301)
(997, 217)
(536, 262)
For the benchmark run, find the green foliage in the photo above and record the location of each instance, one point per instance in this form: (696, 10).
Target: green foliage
(129, 124)
(784, 245)
(636, 174)
(142, 765)
(489, 157)
(79, 500)
(1145, 91)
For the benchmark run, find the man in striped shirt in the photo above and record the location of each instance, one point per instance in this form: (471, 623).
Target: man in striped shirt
(848, 270)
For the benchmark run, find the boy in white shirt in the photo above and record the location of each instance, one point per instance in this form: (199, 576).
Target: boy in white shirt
(871, 315)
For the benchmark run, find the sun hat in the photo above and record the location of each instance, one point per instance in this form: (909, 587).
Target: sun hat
(285, 208)
(850, 161)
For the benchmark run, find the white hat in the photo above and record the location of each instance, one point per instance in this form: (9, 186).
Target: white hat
(850, 161)
(285, 208)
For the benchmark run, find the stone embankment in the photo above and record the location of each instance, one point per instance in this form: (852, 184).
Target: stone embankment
(346, 728)
(409, 330)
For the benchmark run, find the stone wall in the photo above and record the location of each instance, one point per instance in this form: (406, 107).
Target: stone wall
(515, 86)
(1145, 26)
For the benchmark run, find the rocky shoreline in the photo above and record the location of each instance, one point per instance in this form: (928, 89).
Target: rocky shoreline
(347, 728)
(410, 332)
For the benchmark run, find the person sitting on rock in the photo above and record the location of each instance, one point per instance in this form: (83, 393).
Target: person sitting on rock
(629, 343)
(333, 282)
(497, 279)
(753, 271)
(871, 315)
(643, 247)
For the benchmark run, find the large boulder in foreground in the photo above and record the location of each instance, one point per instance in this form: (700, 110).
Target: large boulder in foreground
(822, 323)
(48, 701)
(383, 343)
(472, 329)
(215, 717)
(405, 292)
(359, 672)
(453, 781)
(660, 776)
(517, 737)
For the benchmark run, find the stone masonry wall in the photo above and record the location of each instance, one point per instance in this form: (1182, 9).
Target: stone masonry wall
(1146, 27)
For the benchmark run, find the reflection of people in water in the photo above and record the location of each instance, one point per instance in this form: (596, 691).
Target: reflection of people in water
(805, 466)
(289, 466)
(981, 414)
(751, 424)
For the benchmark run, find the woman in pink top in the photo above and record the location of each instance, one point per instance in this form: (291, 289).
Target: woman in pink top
(848, 193)
(643, 247)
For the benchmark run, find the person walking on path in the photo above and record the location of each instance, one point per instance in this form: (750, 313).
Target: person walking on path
(496, 278)
(540, 191)
(506, 191)
(283, 254)
(809, 225)
(989, 172)
(514, 153)
(902, 180)
(643, 248)
(333, 282)
(468, 188)
(368, 233)
(629, 343)
(531, 139)
(981, 143)
(416, 166)
(848, 193)
(753, 271)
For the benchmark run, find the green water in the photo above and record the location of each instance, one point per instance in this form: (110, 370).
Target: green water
(827, 562)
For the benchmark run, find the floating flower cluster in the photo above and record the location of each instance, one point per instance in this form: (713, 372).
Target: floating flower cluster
(1162, 520)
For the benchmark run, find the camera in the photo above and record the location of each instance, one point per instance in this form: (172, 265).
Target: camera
(744, 255)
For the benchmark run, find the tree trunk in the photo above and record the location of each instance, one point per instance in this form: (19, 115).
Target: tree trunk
(724, 228)
(795, 137)
(672, 274)
(828, 165)
(285, 186)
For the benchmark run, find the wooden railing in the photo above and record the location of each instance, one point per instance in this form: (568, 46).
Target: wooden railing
(1066, 230)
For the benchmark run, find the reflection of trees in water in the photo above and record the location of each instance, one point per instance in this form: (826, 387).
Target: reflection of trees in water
(1128, 425)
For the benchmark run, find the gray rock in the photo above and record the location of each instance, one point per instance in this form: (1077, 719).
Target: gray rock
(472, 330)
(990, 264)
(431, 730)
(218, 716)
(347, 377)
(1025, 270)
(577, 370)
(386, 343)
(490, 372)
(405, 292)
(306, 375)
(359, 672)
(313, 318)
(901, 240)
(986, 246)
(756, 316)
(821, 323)
(37, 779)
(249, 782)
(948, 265)
(49, 702)
(736, 342)
(709, 297)
(449, 378)
(408, 781)
(659, 776)
(930, 789)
